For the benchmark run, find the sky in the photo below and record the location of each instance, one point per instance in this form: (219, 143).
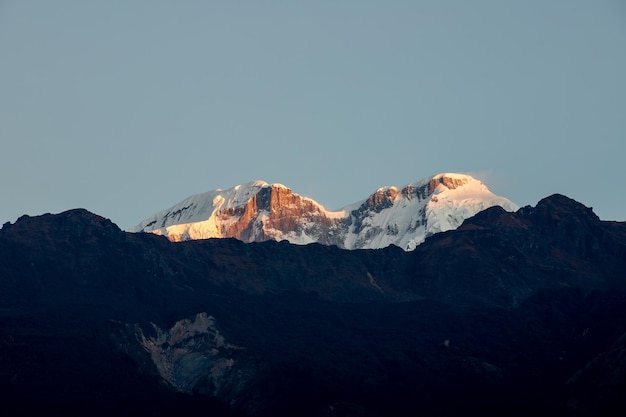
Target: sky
(127, 107)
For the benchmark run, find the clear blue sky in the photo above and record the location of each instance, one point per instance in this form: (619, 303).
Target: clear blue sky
(127, 107)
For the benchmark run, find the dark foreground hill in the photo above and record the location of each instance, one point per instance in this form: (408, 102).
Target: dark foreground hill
(512, 314)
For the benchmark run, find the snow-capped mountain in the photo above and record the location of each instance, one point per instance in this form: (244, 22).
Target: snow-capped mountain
(258, 211)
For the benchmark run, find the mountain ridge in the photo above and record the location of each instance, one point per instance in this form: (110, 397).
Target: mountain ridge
(258, 211)
(510, 314)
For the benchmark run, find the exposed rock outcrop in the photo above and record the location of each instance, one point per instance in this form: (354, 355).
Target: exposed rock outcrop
(193, 356)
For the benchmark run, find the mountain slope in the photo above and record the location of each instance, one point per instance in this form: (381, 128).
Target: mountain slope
(258, 211)
(510, 314)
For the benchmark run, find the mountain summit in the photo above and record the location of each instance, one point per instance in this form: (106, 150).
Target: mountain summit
(258, 211)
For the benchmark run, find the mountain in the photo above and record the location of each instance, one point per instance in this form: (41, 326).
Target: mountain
(257, 211)
(511, 314)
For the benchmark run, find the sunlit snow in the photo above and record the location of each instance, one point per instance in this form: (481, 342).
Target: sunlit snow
(409, 215)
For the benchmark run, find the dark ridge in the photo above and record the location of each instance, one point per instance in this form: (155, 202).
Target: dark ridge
(511, 314)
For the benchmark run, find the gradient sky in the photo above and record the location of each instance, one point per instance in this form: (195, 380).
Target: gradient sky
(127, 107)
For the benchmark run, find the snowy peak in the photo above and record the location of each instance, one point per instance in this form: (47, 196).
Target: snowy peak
(449, 181)
(406, 217)
(199, 207)
(257, 211)
(384, 197)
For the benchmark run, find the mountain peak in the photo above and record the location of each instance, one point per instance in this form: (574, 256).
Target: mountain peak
(76, 224)
(558, 203)
(251, 184)
(257, 211)
(559, 209)
(448, 180)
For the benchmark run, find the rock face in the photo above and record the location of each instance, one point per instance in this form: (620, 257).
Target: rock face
(258, 211)
(194, 356)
